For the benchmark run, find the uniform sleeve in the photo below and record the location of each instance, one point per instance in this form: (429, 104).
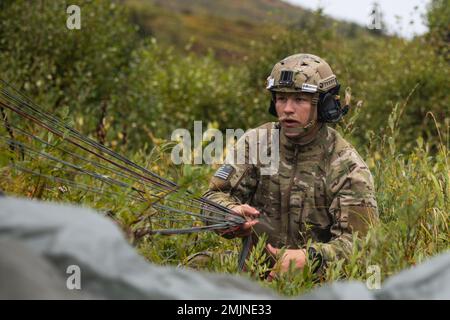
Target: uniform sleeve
(234, 183)
(234, 189)
(353, 206)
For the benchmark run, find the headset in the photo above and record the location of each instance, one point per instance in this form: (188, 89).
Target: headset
(329, 106)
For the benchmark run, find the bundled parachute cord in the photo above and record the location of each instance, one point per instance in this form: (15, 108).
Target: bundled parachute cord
(205, 218)
(164, 183)
(61, 135)
(74, 184)
(218, 223)
(215, 215)
(107, 180)
(157, 184)
(52, 120)
(93, 174)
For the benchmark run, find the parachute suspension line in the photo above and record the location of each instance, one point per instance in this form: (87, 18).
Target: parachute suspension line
(138, 182)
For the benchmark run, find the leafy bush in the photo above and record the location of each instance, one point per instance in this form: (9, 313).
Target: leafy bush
(58, 67)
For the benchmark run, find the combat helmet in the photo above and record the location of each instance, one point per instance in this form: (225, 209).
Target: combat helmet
(308, 73)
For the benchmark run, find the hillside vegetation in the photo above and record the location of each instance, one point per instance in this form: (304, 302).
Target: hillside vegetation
(132, 75)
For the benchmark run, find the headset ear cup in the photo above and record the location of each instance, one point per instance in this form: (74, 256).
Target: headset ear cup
(329, 109)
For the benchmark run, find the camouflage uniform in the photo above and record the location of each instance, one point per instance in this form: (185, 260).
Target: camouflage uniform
(322, 191)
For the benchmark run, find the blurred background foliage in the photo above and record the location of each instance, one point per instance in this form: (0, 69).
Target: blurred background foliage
(139, 69)
(158, 62)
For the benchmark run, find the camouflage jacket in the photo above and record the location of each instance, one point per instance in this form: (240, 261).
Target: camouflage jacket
(323, 192)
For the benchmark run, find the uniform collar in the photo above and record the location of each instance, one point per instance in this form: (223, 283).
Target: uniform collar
(316, 139)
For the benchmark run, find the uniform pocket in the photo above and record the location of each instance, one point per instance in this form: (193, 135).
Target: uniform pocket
(269, 196)
(316, 219)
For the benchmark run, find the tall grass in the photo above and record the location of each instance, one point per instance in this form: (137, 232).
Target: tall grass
(413, 194)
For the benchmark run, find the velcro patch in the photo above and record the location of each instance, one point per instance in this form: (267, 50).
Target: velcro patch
(270, 82)
(224, 172)
(306, 87)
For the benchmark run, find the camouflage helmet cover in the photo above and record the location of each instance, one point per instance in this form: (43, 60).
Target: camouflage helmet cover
(301, 73)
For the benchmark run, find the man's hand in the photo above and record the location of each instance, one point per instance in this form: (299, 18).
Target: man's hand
(296, 255)
(249, 213)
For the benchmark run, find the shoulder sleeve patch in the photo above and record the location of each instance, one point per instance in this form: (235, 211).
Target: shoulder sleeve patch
(224, 172)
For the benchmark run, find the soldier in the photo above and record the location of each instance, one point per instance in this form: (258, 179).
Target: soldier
(322, 192)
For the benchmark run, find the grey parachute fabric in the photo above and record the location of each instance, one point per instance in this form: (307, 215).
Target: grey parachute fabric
(39, 241)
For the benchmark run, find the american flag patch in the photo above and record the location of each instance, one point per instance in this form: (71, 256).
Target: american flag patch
(224, 172)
